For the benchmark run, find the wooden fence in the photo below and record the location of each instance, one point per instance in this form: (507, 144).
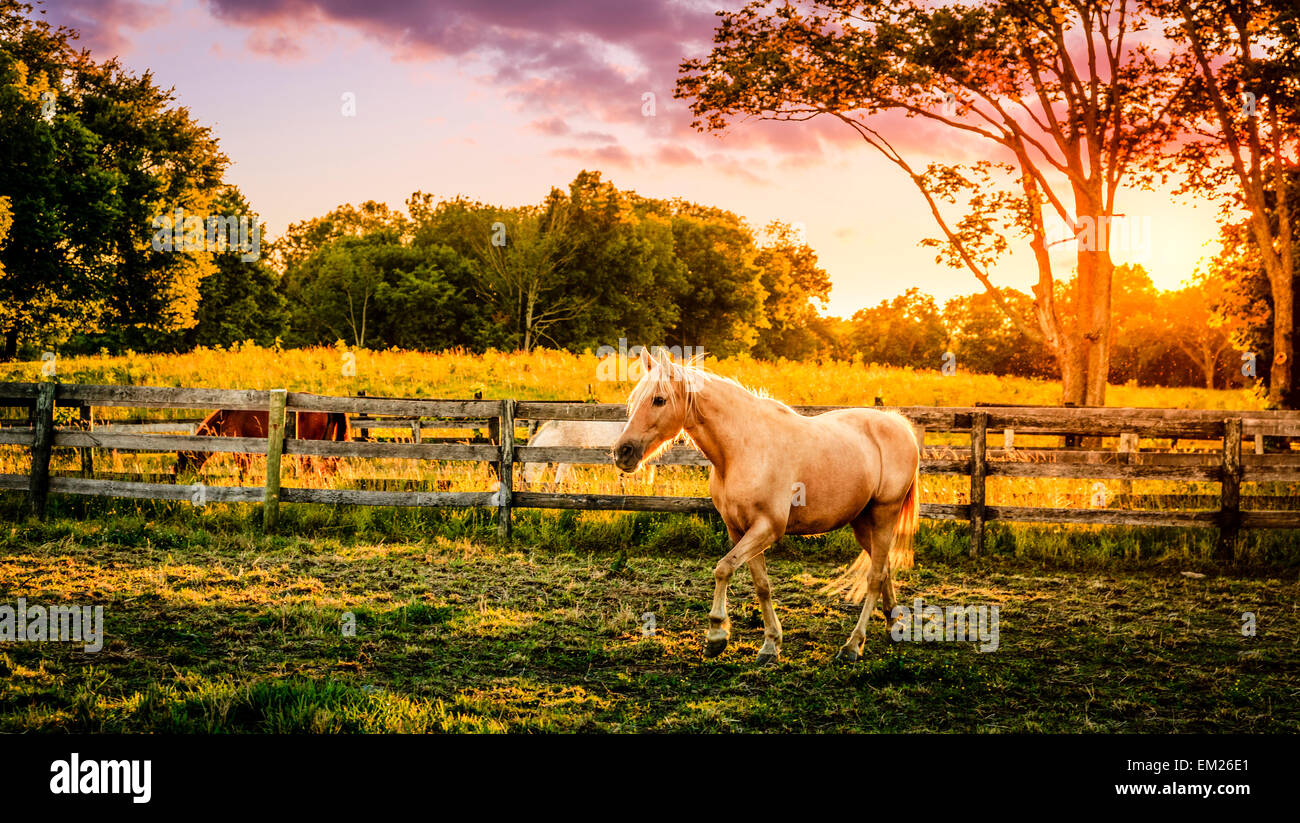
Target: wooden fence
(1223, 462)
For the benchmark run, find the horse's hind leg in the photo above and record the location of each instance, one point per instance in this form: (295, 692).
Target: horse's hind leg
(771, 625)
(887, 598)
(874, 529)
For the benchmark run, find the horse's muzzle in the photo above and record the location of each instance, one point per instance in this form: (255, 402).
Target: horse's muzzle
(627, 456)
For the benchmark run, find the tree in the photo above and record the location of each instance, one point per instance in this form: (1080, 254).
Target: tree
(304, 238)
(241, 300)
(1192, 326)
(424, 308)
(986, 341)
(905, 331)
(89, 155)
(1244, 302)
(721, 308)
(523, 257)
(1238, 121)
(58, 196)
(624, 258)
(1139, 348)
(333, 290)
(1064, 98)
(793, 283)
(160, 161)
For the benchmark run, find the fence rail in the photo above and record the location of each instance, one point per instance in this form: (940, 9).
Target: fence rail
(1225, 464)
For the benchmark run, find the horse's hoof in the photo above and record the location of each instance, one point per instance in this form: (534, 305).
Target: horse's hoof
(846, 655)
(766, 659)
(713, 648)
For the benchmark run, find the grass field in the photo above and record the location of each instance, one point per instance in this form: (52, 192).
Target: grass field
(213, 627)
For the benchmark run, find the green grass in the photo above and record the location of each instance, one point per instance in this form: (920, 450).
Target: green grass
(213, 628)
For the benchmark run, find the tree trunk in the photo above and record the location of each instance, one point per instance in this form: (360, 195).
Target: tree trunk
(1099, 328)
(10, 351)
(1280, 376)
(1074, 372)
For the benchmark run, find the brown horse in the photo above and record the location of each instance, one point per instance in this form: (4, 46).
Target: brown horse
(776, 472)
(239, 423)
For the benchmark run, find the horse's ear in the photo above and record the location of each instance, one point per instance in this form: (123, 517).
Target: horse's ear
(645, 359)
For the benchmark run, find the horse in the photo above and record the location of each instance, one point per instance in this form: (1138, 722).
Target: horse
(600, 434)
(777, 472)
(241, 423)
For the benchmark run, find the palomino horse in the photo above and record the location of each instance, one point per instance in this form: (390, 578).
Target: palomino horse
(235, 423)
(776, 472)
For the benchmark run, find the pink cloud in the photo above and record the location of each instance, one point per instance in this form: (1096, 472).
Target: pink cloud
(104, 25)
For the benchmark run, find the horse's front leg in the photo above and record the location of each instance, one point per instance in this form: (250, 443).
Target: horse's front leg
(771, 625)
(760, 536)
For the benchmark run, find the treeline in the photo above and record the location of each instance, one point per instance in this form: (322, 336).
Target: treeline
(1178, 337)
(582, 269)
(594, 264)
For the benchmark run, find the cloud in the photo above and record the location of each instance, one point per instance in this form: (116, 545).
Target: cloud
(103, 25)
(552, 126)
(612, 156)
(676, 156)
(564, 61)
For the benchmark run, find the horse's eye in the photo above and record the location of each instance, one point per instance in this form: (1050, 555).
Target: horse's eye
(659, 401)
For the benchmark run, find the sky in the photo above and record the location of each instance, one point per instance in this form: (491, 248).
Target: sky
(323, 102)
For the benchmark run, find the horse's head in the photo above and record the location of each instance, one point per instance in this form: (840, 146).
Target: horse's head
(656, 411)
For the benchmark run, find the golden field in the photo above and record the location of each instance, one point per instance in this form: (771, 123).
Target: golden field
(559, 375)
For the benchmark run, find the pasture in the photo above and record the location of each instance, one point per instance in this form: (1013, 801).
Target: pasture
(212, 626)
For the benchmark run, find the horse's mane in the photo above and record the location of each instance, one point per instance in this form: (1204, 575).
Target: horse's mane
(695, 377)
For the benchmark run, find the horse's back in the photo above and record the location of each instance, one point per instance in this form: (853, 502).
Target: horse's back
(845, 459)
(578, 433)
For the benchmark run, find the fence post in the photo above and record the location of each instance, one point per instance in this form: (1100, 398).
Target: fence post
(42, 441)
(979, 425)
(1230, 500)
(274, 448)
(1128, 446)
(506, 471)
(494, 435)
(87, 454)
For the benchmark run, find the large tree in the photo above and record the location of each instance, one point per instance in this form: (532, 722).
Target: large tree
(1063, 97)
(89, 155)
(1240, 140)
(721, 307)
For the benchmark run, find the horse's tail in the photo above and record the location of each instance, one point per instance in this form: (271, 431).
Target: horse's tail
(900, 554)
(855, 581)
